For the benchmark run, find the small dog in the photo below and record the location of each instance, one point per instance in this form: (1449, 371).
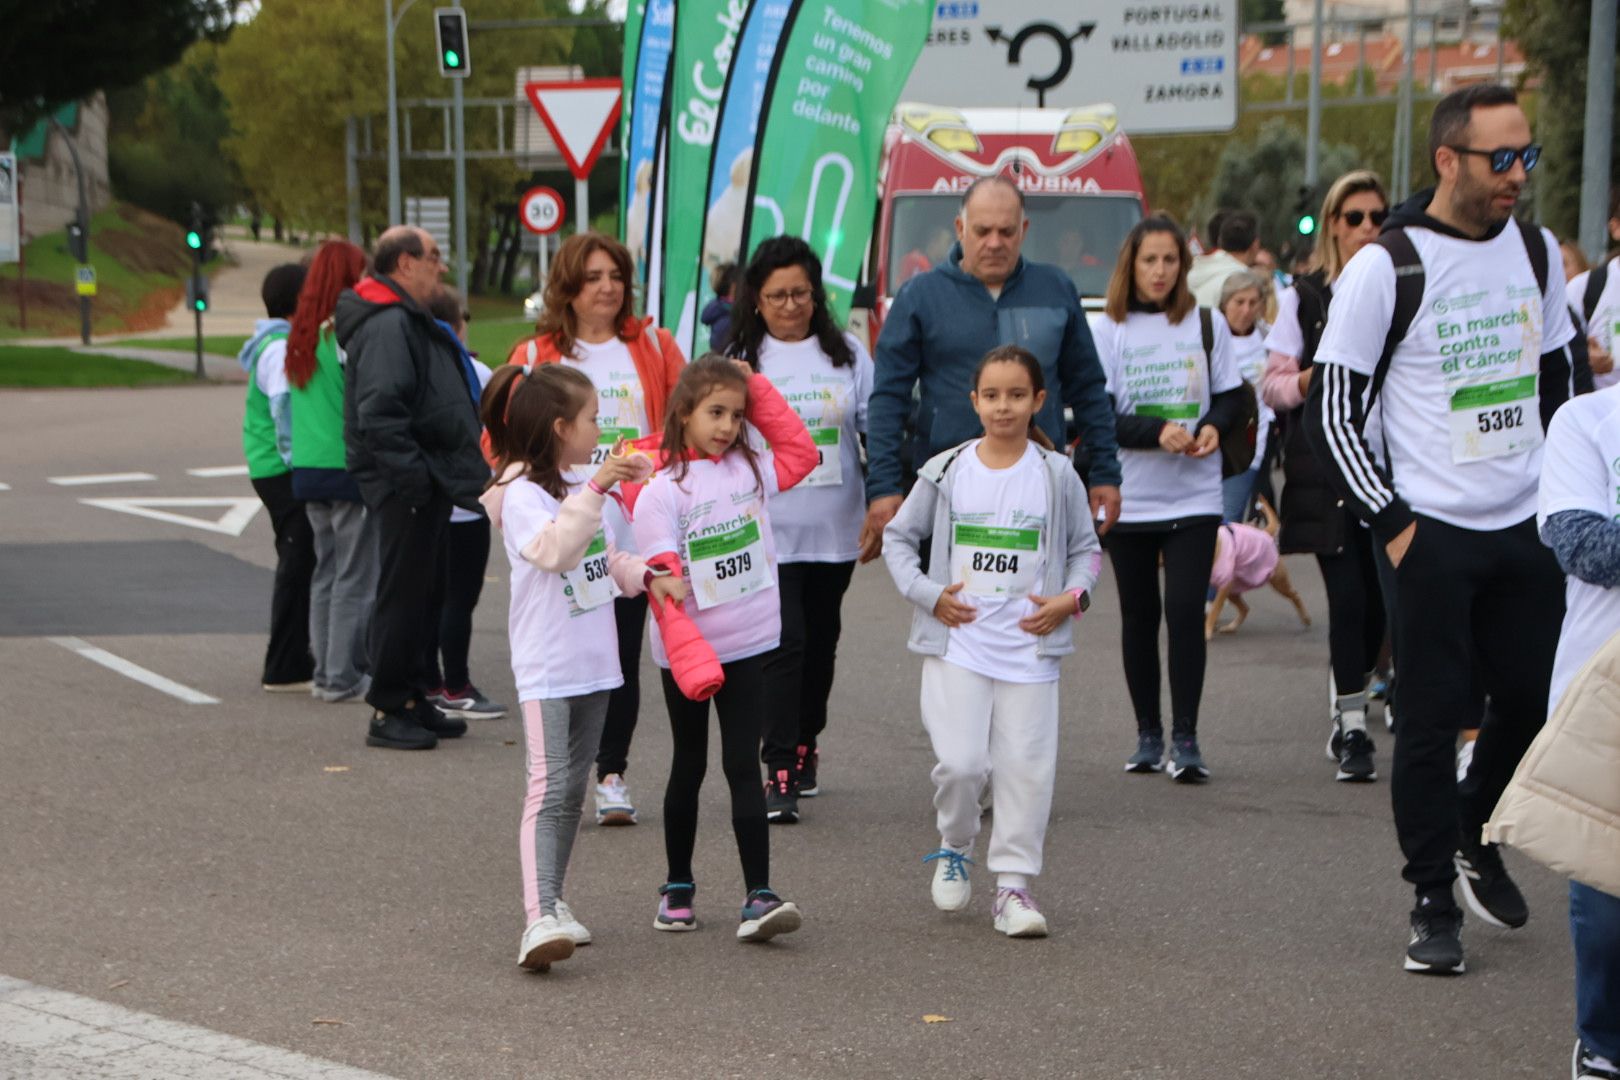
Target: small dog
(1246, 557)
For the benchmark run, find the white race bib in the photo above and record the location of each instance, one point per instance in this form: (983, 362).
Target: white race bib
(728, 566)
(589, 585)
(993, 561)
(829, 470)
(1495, 419)
(609, 437)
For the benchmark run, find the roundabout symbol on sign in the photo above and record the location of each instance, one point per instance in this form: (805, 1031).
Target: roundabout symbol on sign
(541, 210)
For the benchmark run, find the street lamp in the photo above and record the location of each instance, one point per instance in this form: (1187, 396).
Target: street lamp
(392, 21)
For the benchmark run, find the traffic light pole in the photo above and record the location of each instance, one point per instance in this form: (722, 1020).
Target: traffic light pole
(461, 181)
(196, 313)
(84, 226)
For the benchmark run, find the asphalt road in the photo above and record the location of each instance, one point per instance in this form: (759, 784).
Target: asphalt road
(250, 867)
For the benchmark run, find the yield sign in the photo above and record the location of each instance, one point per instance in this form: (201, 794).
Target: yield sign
(580, 115)
(238, 512)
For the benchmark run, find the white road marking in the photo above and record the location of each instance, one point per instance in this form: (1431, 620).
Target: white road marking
(5, 487)
(238, 511)
(218, 470)
(53, 1033)
(100, 478)
(131, 670)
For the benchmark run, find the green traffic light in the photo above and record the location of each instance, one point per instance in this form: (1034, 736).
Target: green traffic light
(452, 59)
(193, 240)
(1307, 225)
(202, 305)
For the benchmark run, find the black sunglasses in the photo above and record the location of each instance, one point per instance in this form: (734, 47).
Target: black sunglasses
(1502, 157)
(1354, 218)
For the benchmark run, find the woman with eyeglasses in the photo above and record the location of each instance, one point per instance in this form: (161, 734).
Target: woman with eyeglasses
(783, 328)
(589, 322)
(1315, 519)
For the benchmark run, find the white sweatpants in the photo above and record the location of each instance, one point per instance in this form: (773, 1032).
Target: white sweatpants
(978, 726)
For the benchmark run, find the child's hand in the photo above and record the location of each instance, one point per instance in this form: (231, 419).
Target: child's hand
(1050, 613)
(1208, 441)
(951, 611)
(616, 470)
(667, 588)
(1174, 438)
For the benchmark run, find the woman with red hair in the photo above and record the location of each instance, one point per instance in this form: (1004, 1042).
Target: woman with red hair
(345, 581)
(589, 322)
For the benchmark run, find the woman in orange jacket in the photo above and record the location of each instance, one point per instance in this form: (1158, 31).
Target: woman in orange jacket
(589, 322)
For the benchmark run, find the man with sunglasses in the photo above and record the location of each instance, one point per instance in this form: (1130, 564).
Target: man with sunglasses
(410, 424)
(1453, 324)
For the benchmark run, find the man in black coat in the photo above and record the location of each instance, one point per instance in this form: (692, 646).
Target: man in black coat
(410, 425)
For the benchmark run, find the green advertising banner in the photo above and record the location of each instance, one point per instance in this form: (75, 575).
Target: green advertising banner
(633, 15)
(839, 71)
(705, 39)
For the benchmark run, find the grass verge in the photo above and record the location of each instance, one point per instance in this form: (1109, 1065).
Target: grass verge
(46, 367)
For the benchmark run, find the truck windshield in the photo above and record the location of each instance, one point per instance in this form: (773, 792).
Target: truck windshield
(1081, 234)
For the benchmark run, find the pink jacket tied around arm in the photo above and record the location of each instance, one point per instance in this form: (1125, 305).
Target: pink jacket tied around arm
(561, 543)
(1279, 386)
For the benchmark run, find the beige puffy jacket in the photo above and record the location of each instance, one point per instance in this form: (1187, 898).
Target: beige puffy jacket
(1562, 807)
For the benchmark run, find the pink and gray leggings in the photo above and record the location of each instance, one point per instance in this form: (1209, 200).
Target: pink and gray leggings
(561, 737)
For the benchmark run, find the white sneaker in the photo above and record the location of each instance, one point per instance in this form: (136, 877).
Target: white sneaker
(1017, 915)
(951, 889)
(575, 928)
(544, 942)
(613, 802)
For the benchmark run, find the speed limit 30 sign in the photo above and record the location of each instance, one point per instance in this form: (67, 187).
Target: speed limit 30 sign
(541, 210)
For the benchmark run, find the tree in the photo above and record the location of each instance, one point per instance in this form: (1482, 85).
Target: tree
(63, 50)
(1265, 177)
(1265, 11)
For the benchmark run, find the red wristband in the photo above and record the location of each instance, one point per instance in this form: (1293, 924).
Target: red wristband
(594, 486)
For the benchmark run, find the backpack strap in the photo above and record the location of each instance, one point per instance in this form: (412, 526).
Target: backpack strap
(1537, 250)
(1206, 327)
(1595, 281)
(1409, 282)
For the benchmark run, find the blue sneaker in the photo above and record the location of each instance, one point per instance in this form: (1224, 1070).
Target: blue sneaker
(675, 907)
(764, 915)
(951, 889)
(1186, 763)
(1149, 756)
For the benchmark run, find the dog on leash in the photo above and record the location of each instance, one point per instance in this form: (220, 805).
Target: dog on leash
(1246, 557)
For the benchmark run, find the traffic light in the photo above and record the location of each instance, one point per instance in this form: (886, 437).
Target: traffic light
(197, 294)
(78, 246)
(200, 236)
(1304, 220)
(451, 24)
(194, 240)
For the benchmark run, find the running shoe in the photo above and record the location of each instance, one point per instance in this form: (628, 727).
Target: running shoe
(575, 928)
(675, 907)
(399, 730)
(1436, 944)
(613, 802)
(1486, 887)
(1186, 763)
(808, 759)
(1356, 758)
(764, 915)
(426, 714)
(333, 695)
(1016, 914)
(544, 943)
(1149, 756)
(1588, 1064)
(781, 798)
(951, 889)
(467, 703)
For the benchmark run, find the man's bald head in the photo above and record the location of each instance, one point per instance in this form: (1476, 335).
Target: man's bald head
(985, 185)
(410, 256)
(991, 228)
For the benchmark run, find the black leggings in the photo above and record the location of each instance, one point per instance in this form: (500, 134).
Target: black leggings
(613, 755)
(1355, 608)
(740, 705)
(463, 560)
(1189, 554)
(799, 673)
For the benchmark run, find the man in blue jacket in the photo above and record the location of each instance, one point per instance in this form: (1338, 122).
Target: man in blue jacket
(941, 325)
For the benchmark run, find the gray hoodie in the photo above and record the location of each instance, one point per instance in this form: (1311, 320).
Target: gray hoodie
(927, 512)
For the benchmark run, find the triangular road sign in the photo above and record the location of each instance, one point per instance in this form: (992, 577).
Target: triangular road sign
(238, 512)
(580, 115)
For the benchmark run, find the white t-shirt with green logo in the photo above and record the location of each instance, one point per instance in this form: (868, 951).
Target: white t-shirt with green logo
(1605, 322)
(820, 518)
(1156, 368)
(1249, 352)
(1461, 401)
(621, 410)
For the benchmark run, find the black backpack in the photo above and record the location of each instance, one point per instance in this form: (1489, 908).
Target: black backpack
(1237, 445)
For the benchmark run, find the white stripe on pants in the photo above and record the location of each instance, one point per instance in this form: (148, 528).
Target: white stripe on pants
(980, 726)
(561, 736)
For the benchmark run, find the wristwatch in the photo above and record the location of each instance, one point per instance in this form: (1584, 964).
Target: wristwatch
(1082, 601)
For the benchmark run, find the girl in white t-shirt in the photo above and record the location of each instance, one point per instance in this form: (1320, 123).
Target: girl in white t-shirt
(1172, 403)
(566, 571)
(784, 328)
(1012, 560)
(703, 514)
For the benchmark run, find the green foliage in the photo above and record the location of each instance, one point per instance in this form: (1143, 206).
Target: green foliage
(45, 366)
(59, 51)
(1265, 176)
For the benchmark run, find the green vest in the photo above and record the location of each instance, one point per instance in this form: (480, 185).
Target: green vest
(258, 427)
(317, 411)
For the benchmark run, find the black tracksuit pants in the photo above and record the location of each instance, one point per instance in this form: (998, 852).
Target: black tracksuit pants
(1189, 554)
(287, 658)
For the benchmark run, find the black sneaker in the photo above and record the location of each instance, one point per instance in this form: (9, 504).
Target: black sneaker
(809, 757)
(1436, 945)
(428, 715)
(781, 798)
(1149, 756)
(1186, 762)
(1356, 758)
(1587, 1064)
(1486, 886)
(399, 731)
